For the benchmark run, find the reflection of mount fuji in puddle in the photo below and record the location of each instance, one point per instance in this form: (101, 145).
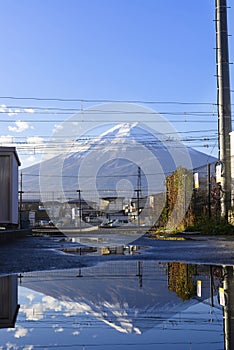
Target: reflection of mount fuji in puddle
(117, 151)
(131, 297)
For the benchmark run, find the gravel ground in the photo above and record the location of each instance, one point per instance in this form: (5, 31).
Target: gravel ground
(34, 253)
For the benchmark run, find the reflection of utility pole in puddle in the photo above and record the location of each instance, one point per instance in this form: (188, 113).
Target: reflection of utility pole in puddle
(79, 273)
(228, 307)
(140, 273)
(226, 300)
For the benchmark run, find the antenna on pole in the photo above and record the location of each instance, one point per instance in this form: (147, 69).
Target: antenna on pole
(224, 104)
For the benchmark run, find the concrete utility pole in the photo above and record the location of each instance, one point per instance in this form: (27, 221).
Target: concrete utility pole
(80, 209)
(138, 191)
(21, 200)
(224, 104)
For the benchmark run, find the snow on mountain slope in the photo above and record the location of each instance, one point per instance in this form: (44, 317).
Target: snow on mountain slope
(112, 294)
(116, 153)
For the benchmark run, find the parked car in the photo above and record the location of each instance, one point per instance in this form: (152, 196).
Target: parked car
(42, 223)
(60, 223)
(115, 223)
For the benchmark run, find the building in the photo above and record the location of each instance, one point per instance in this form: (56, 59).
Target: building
(9, 163)
(8, 301)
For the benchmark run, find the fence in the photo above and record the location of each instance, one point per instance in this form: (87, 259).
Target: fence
(186, 201)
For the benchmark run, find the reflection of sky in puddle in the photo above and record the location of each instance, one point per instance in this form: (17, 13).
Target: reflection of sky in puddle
(108, 250)
(116, 305)
(100, 240)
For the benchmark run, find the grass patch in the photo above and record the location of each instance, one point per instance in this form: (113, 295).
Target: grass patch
(212, 227)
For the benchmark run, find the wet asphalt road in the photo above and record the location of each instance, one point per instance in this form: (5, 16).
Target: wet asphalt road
(34, 253)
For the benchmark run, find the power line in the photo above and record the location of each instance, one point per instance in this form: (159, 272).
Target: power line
(66, 111)
(82, 100)
(89, 136)
(105, 121)
(130, 140)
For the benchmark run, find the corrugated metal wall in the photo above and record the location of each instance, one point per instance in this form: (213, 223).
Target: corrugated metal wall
(5, 190)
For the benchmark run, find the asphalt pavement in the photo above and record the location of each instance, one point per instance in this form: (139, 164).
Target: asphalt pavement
(36, 253)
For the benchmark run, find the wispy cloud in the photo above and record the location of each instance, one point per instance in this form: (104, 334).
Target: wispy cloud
(28, 347)
(12, 112)
(31, 297)
(57, 127)
(20, 332)
(6, 140)
(3, 108)
(10, 345)
(29, 110)
(34, 313)
(35, 139)
(31, 160)
(20, 126)
(76, 333)
(57, 328)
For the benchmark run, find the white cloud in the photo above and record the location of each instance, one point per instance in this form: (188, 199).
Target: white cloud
(57, 328)
(10, 329)
(34, 313)
(12, 112)
(76, 333)
(35, 139)
(29, 160)
(11, 346)
(29, 110)
(28, 347)
(57, 127)
(20, 332)
(3, 108)
(51, 303)
(20, 126)
(6, 140)
(31, 297)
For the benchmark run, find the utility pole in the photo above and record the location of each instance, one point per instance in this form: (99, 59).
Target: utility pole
(138, 194)
(80, 209)
(224, 104)
(209, 190)
(21, 200)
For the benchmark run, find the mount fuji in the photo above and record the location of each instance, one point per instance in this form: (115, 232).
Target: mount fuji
(124, 154)
(116, 301)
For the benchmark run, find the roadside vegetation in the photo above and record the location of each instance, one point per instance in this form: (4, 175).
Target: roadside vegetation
(211, 226)
(202, 212)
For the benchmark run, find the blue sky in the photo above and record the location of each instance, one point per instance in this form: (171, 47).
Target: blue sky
(149, 50)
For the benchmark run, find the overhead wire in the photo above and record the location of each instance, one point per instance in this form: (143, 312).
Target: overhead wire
(83, 100)
(105, 121)
(185, 116)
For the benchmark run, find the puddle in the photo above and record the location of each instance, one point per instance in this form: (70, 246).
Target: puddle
(101, 239)
(99, 251)
(119, 305)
